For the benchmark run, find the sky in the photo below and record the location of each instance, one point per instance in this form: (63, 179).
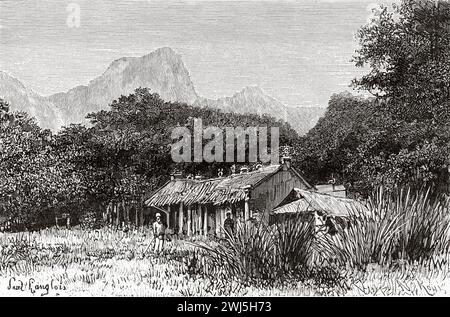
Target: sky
(297, 51)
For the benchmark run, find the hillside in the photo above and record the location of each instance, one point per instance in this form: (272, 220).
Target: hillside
(253, 100)
(22, 98)
(164, 72)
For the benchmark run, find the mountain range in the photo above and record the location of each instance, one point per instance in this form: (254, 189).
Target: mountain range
(164, 72)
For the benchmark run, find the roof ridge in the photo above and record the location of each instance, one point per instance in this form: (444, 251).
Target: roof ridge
(229, 176)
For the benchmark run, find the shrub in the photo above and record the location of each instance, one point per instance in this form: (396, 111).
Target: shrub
(405, 226)
(259, 253)
(91, 220)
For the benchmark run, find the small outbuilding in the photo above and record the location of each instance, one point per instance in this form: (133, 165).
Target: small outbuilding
(328, 211)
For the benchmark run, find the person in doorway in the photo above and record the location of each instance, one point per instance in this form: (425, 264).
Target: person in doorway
(159, 231)
(229, 224)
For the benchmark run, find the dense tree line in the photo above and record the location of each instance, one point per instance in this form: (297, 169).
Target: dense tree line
(119, 159)
(34, 178)
(400, 136)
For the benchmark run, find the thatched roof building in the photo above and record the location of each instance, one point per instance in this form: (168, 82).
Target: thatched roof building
(216, 191)
(206, 202)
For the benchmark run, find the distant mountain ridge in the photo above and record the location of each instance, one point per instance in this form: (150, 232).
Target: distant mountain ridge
(22, 98)
(253, 100)
(164, 72)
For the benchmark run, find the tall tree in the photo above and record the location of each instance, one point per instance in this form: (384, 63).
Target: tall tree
(34, 181)
(408, 51)
(401, 136)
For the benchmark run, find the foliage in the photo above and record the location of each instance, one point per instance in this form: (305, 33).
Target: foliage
(405, 226)
(401, 136)
(34, 180)
(396, 230)
(257, 252)
(408, 51)
(123, 156)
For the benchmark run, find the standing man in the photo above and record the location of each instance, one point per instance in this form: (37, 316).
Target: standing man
(229, 224)
(159, 230)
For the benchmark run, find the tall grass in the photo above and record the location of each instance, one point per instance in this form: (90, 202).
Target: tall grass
(258, 253)
(406, 226)
(287, 259)
(395, 228)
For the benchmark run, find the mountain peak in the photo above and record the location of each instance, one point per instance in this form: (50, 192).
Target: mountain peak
(5, 76)
(165, 54)
(165, 51)
(162, 71)
(253, 91)
(252, 99)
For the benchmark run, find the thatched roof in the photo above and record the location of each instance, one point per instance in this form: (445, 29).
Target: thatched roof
(326, 204)
(215, 190)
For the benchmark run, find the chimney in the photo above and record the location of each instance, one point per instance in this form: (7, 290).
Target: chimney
(286, 161)
(244, 169)
(332, 181)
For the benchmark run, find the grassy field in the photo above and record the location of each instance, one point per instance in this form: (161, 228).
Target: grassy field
(106, 262)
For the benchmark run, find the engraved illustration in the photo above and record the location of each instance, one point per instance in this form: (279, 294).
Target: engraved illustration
(202, 148)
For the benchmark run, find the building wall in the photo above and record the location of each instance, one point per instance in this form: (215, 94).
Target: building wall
(274, 190)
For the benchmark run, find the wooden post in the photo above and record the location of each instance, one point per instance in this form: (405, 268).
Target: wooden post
(246, 203)
(205, 221)
(199, 219)
(124, 214)
(198, 222)
(168, 216)
(136, 219)
(193, 220)
(107, 216)
(126, 208)
(246, 210)
(180, 219)
(141, 216)
(223, 216)
(189, 221)
(116, 209)
(197, 215)
(217, 212)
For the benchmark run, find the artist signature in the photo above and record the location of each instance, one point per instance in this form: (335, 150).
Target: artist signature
(35, 288)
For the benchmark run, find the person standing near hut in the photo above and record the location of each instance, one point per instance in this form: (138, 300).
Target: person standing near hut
(159, 231)
(229, 224)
